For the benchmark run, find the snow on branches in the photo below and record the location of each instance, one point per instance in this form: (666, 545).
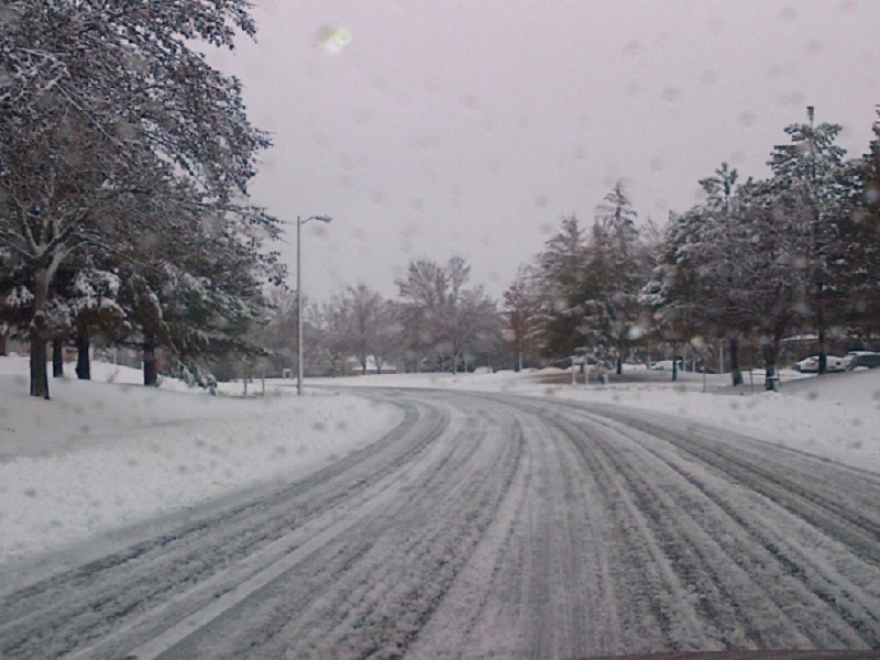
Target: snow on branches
(113, 129)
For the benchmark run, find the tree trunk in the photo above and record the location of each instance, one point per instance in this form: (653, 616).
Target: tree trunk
(622, 356)
(823, 353)
(151, 372)
(820, 327)
(735, 371)
(83, 363)
(2, 344)
(39, 376)
(771, 379)
(39, 335)
(57, 358)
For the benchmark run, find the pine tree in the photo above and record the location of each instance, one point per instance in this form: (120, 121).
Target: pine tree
(856, 269)
(804, 178)
(561, 276)
(722, 272)
(617, 266)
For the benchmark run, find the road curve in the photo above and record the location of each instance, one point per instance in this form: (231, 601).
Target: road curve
(494, 526)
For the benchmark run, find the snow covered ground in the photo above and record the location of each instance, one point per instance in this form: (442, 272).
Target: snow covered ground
(109, 453)
(836, 417)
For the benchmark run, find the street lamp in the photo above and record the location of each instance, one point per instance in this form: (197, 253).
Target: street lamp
(299, 315)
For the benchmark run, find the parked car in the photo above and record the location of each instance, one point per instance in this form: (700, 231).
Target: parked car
(666, 365)
(867, 359)
(810, 365)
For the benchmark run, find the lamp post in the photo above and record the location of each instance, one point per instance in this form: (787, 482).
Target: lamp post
(299, 315)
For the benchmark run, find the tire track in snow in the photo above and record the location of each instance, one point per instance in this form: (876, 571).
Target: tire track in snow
(384, 577)
(655, 608)
(853, 598)
(685, 573)
(822, 497)
(847, 622)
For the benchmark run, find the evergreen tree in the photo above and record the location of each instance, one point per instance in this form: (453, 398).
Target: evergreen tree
(617, 267)
(722, 272)
(561, 273)
(805, 182)
(700, 288)
(856, 268)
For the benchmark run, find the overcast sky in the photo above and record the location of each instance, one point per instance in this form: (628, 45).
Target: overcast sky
(473, 126)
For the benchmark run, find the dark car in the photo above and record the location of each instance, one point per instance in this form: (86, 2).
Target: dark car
(866, 359)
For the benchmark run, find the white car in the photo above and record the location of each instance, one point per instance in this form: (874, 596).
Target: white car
(810, 365)
(665, 365)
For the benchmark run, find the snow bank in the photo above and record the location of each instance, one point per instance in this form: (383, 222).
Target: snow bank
(100, 455)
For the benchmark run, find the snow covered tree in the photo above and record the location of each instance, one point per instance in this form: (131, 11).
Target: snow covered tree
(617, 266)
(732, 273)
(561, 273)
(84, 302)
(590, 283)
(723, 265)
(860, 236)
(698, 290)
(197, 292)
(764, 258)
(672, 292)
(804, 179)
(102, 103)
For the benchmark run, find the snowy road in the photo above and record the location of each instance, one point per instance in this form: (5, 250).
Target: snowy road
(494, 526)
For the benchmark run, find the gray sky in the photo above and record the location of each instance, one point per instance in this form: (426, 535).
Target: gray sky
(472, 126)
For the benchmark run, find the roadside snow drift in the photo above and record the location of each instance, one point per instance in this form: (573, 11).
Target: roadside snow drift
(100, 455)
